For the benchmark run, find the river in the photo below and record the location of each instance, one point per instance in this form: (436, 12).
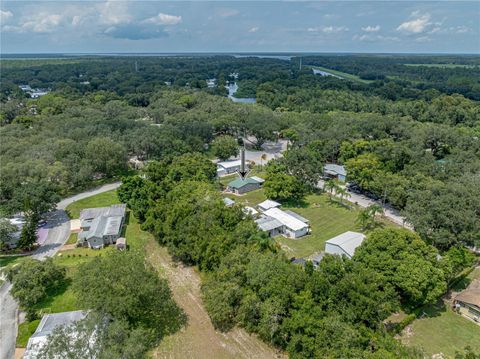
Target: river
(232, 89)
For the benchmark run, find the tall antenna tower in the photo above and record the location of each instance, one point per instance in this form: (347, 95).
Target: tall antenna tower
(300, 64)
(136, 66)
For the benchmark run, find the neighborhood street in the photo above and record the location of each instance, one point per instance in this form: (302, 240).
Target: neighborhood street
(58, 225)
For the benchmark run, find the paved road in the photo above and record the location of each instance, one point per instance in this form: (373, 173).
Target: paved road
(8, 322)
(58, 225)
(364, 201)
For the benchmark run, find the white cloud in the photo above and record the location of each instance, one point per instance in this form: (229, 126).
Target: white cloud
(462, 29)
(423, 39)
(328, 29)
(418, 23)
(371, 28)
(254, 29)
(374, 38)
(113, 12)
(5, 15)
(163, 19)
(41, 22)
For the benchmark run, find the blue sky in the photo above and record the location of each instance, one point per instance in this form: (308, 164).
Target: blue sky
(240, 26)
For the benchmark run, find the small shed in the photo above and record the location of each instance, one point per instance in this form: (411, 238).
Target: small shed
(121, 243)
(228, 202)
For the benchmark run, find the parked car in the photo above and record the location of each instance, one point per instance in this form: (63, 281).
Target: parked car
(42, 223)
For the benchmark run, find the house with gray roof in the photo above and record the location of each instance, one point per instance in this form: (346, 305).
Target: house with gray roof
(101, 226)
(47, 325)
(334, 171)
(344, 244)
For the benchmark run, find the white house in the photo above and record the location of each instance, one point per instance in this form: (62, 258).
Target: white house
(227, 167)
(266, 205)
(293, 226)
(47, 325)
(344, 244)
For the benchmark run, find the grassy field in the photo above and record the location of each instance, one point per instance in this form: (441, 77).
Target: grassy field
(343, 75)
(441, 330)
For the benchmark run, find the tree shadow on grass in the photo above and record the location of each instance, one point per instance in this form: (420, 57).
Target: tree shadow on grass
(53, 293)
(296, 203)
(429, 310)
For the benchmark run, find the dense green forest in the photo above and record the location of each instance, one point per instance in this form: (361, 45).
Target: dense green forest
(410, 136)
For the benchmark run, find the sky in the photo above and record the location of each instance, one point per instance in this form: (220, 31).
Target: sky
(114, 26)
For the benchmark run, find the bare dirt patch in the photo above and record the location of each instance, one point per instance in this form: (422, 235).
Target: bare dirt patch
(199, 339)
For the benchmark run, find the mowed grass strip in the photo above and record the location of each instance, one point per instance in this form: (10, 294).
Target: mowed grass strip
(100, 200)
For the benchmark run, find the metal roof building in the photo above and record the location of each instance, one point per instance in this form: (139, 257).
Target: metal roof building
(344, 244)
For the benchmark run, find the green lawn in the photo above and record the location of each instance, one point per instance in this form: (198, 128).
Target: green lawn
(11, 260)
(327, 220)
(72, 239)
(343, 75)
(25, 331)
(100, 200)
(442, 331)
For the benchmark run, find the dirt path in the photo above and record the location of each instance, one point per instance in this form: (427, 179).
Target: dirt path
(199, 339)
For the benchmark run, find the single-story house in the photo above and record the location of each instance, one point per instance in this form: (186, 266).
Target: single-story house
(47, 325)
(344, 244)
(293, 227)
(467, 302)
(270, 225)
(240, 186)
(266, 205)
(101, 226)
(227, 167)
(335, 171)
(121, 243)
(228, 202)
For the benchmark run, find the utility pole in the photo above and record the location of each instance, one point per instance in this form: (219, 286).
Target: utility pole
(300, 64)
(136, 66)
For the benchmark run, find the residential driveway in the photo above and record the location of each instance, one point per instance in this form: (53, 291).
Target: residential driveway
(364, 201)
(58, 225)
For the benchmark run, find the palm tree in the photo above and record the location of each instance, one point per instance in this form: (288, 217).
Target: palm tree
(367, 216)
(342, 193)
(331, 186)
